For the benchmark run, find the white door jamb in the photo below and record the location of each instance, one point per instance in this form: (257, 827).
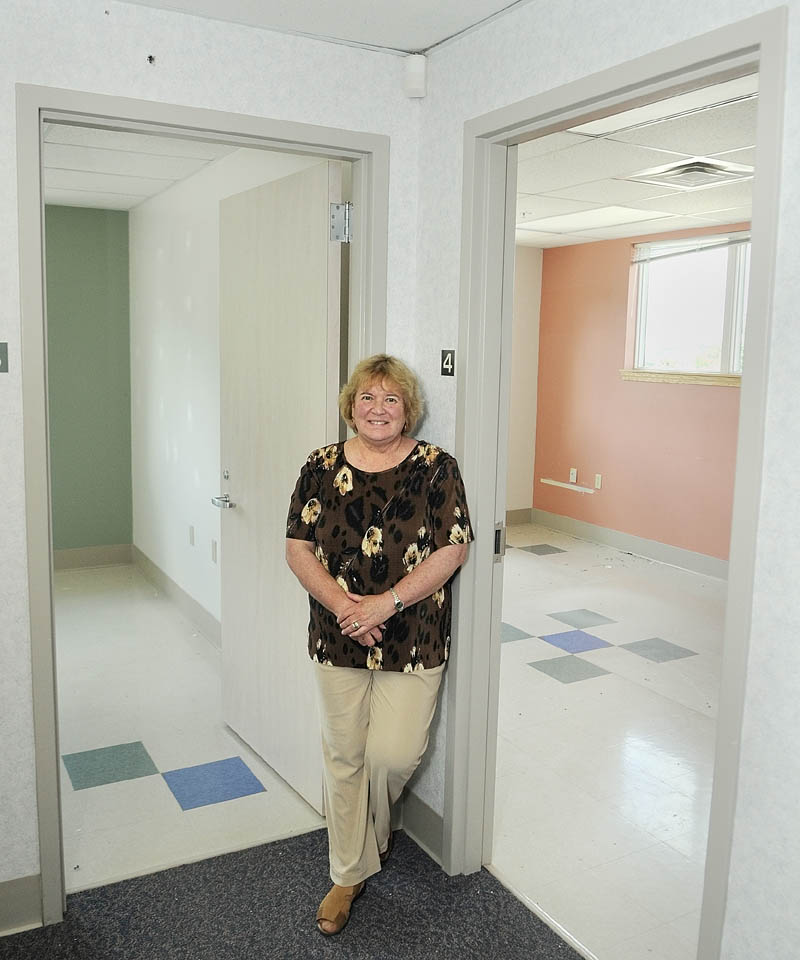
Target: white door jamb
(367, 323)
(482, 414)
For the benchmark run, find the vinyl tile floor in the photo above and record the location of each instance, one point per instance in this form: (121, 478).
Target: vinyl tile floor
(151, 777)
(610, 667)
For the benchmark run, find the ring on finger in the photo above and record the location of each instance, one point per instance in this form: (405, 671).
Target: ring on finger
(355, 624)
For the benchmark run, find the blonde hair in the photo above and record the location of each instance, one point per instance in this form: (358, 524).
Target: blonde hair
(383, 367)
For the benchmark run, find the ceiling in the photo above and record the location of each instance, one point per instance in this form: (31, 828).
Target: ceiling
(413, 26)
(575, 186)
(591, 182)
(114, 170)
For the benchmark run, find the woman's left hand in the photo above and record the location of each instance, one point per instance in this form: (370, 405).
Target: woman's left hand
(365, 613)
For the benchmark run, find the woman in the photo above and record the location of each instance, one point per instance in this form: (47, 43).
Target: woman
(377, 528)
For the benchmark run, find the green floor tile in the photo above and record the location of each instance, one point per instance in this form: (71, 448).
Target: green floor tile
(93, 768)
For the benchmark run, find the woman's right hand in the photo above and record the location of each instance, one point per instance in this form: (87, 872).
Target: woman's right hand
(373, 635)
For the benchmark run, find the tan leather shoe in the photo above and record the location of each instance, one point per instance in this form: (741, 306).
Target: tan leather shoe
(334, 911)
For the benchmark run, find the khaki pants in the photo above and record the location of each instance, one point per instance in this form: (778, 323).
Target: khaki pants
(374, 732)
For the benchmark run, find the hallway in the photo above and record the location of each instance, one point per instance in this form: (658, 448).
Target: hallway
(151, 776)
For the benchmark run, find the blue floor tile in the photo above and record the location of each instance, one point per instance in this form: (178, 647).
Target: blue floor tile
(212, 783)
(575, 641)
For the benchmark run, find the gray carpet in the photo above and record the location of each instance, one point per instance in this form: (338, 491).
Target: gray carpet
(260, 903)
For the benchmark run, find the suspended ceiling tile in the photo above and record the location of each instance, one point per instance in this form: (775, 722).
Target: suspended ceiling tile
(698, 202)
(612, 191)
(591, 219)
(548, 144)
(734, 215)
(103, 201)
(586, 162)
(533, 207)
(104, 183)
(136, 142)
(661, 109)
(534, 238)
(68, 157)
(728, 127)
(746, 156)
(647, 228)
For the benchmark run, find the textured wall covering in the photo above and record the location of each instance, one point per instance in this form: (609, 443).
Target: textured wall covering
(199, 63)
(541, 46)
(88, 373)
(537, 47)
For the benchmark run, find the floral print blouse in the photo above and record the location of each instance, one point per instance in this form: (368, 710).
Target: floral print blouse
(369, 531)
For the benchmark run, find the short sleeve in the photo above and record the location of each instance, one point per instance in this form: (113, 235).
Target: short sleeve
(305, 506)
(447, 505)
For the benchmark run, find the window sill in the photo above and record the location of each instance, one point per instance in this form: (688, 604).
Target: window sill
(704, 379)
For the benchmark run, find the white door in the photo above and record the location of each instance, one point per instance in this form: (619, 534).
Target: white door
(279, 376)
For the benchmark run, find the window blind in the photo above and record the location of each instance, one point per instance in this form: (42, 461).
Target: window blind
(648, 252)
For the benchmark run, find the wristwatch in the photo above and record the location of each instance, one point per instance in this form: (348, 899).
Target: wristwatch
(398, 603)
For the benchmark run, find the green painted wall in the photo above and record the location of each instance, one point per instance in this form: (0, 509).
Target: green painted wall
(89, 375)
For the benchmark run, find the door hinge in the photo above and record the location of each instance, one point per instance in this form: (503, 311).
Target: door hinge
(341, 222)
(499, 542)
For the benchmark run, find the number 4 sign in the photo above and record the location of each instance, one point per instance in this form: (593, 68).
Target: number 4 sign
(448, 363)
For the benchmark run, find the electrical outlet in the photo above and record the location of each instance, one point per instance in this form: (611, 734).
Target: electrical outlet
(191, 535)
(598, 481)
(573, 474)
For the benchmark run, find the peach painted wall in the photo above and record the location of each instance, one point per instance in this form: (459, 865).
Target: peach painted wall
(666, 451)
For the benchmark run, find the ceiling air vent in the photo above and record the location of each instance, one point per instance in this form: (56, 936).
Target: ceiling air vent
(692, 174)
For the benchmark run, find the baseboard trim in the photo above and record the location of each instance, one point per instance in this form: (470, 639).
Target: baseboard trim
(20, 904)
(519, 516)
(423, 825)
(207, 624)
(102, 556)
(650, 549)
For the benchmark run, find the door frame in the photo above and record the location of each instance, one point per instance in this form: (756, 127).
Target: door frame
(369, 154)
(485, 307)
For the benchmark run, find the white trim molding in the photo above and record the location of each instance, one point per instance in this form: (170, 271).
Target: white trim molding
(369, 154)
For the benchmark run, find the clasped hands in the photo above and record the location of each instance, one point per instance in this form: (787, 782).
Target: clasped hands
(364, 618)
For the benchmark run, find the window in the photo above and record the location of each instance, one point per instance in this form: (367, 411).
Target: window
(691, 296)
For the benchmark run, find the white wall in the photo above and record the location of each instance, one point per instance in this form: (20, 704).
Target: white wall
(199, 63)
(524, 368)
(175, 411)
(535, 48)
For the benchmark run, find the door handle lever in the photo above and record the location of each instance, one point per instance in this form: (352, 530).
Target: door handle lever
(224, 502)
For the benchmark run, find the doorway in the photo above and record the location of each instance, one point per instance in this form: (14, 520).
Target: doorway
(490, 178)
(156, 771)
(369, 158)
(614, 574)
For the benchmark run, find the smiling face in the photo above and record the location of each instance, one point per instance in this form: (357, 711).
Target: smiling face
(379, 412)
